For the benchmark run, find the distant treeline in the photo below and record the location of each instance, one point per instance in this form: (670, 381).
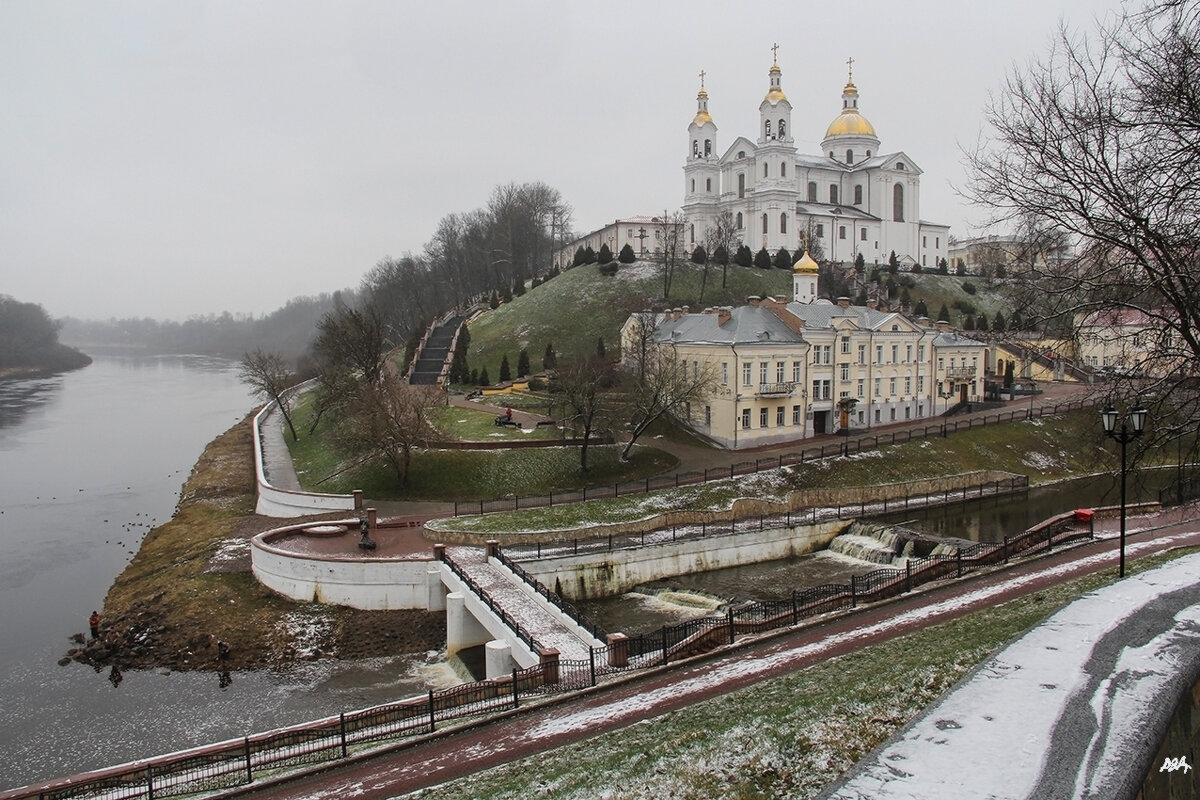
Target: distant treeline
(29, 340)
(287, 331)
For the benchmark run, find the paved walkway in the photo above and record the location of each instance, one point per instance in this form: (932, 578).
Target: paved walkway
(537, 728)
(277, 459)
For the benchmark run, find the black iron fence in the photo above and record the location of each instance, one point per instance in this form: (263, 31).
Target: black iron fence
(554, 598)
(845, 447)
(524, 634)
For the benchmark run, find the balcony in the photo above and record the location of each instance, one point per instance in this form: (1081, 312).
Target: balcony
(960, 374)
(775, 389)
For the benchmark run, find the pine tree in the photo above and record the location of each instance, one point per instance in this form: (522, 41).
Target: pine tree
(721, 255)
(474, 377)
(589, 255)
(549, 361)
(505, 371)
(627, 256)
(523, 363)
(920, 309)
(605, 255)
(893, 263)
(495, 301)
(762, 259)
(969, 323)
(998, 323)
(783, 259)
(580, 257)
(699, 255)
(981, 324)
(483, 378)
(860, 264)
(944, 314)
(743, 257)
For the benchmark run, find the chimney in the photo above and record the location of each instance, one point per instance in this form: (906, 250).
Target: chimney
(872, 304)
(753, 300)
(943, 326)
(724, 313)
(843, 302)
(924, 322)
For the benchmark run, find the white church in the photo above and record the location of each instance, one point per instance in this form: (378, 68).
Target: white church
(850, 198)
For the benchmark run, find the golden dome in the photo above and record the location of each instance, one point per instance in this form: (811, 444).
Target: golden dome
(775, 95)
(805, 264)
(702, 117)
(850, 123)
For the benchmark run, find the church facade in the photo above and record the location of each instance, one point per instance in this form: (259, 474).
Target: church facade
(851, 198)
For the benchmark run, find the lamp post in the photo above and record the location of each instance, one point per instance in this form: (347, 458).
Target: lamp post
(1127, 433)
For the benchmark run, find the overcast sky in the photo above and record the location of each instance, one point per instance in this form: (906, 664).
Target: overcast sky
(171, 159)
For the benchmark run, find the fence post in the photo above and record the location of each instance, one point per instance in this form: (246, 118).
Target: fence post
(795, 609)
(592, 662)
(729, 615)
(731, 470)
(150, 781)
(342, 730)
(664, 635)
(577, 546)
(432, 714)
(249, 771)
(853, 591)
(610, 543)
(908, 574)
(958, 560)
(516, 702)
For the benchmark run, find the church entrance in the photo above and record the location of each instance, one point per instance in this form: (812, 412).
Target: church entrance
(820, 422)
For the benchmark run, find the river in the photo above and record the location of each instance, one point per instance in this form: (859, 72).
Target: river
(91, 460)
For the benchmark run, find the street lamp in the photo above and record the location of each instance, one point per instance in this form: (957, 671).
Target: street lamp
(1137, 424)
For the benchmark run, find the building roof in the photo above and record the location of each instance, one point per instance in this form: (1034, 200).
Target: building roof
(745, 325)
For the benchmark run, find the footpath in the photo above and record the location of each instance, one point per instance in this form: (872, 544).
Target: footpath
(537, 728)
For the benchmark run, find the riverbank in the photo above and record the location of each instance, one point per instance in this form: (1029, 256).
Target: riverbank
(188, 600)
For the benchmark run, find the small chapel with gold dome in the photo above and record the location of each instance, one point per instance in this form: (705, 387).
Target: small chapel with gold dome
(850, 198)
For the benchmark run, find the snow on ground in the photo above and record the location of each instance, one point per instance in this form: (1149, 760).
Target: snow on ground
(1054, 702)
(306, 632)
(228, 551)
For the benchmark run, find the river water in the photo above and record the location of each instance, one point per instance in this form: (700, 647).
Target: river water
(91, 460)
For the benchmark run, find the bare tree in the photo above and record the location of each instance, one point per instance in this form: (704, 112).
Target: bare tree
(722, 235)
(1099, 141)
(270, 374)
(354, 339)
(388, 420)
(661, 383)
(670, 227)
(583, 384)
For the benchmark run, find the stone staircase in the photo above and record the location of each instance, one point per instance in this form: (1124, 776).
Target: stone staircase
(435, 353)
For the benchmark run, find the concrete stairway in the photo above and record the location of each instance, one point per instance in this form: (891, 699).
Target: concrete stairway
(436, 353)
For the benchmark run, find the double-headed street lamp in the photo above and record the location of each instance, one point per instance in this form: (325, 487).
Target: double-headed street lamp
(1137, 424)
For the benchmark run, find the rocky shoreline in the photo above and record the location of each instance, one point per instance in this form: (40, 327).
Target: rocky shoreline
(188, 601)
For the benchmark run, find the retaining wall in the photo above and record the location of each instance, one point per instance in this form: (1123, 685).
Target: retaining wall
(283, 503)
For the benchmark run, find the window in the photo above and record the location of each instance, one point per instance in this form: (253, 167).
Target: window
(695, 147)
(739, 221)
(849, 156)
(858, 195)
(862, 387)
(812, 191)
(920, 384)
(767, 128)
(924, 241)
(764, 223)
(878, 354)
(827, 352)
(745, 419)
(795, 415)
(920, 352)
(908, 354)
(878, 386)
(877, 415)
(898, 203)
(766, 169)
(900, 166)
(746, 374)
(816, 351)
(862, 354)
(816, 395)
(762, 417)
(862, 235)
(893, 413)
(741, 184)
(724, 373)
(841, 232)
(692, 233)
(762, 372)
(796, 371)
(937, 242)
(779, 372)
(708, 147)
(693, 184)
(782, 166)
(695, 370)
(907, 385)
(895, 354)
(779, 416)
(820, 230)
(782, 128)
(939, 362)
(783, 223)
(833, 194)
(845, 345)
(845, 373)
(708, 184)
(891, 387)
(708, 415)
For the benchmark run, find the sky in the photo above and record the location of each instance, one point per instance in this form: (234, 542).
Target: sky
(184, 158)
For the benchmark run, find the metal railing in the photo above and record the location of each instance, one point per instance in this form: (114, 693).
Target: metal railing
(509, 621)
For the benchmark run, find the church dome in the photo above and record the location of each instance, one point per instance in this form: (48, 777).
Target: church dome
(850, 122)
(702, 116)
(806, 264)
(775, 93)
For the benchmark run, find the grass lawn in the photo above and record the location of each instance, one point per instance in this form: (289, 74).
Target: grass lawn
(468, 425)
(783, 738)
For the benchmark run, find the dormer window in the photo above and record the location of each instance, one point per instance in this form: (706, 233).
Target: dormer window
(741, 153)
(900, 166)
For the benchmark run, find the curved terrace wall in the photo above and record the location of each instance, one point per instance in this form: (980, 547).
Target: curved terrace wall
(282, 503)
(369, 582)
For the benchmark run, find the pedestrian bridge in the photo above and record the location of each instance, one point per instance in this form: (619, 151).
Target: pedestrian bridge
(485, 601)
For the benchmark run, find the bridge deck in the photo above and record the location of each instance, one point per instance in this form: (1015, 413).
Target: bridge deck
(511, 594)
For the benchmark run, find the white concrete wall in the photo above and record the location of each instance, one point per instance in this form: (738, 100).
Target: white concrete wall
(374, 584)
(475, 608)
(611, 573)
(284, 503)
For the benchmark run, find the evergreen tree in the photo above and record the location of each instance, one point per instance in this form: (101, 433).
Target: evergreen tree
(721, 255)
(875, 275)
(549, 361)
(605, 255)
(916, 268)
(944, 314)
(589, 255)
(627, 256)
(743, 257)
(969, 323)
(580, 257)
(600, 347)
(474, 377)
(1009, 376)
(998, 323)
(762, 259)
(783, 259)
(943, 267)
(860, 264)
(506, 294)
(458, 363)
(893, 263)
(1016, 322)
(505, 370)
(518, 287)
(495, 301)
(981, 324)
(483, 378)
(523, 363)
(961, 269)
(699, 255)
(905, 298)
(861, 298)
(920, 309)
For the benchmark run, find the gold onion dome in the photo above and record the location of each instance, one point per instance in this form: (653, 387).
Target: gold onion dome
(850, 122)
(806, 264)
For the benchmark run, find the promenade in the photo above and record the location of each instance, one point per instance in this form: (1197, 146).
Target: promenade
(538, 728)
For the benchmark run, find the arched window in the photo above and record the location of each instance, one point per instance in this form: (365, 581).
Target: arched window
(693, 184)
(900, 166)
(708, 184)
(692, 232)
(783, 169)
(766, 170)
(812, 191)
(741, 184)
(739, 220)
(833, 193)
(782, 129)
(849, 156)
(858, 195)
(708, 147)
(767, 129)
(764, 223)
(898, 202)
(868, 154)
(783, 223)
(695, 147)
